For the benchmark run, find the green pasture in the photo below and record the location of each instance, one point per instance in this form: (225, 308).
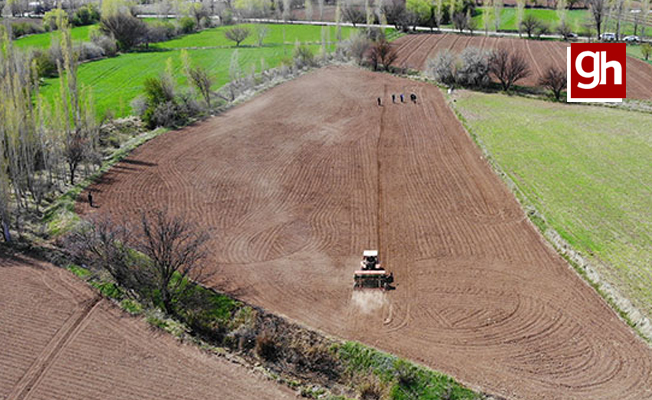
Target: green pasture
(586, 169)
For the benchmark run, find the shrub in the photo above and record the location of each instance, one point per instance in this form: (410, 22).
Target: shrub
(45, 66)
(554, 79)
(89, 51)
(160, 31)
(25, 28)
(266, 347)
(187, 25)
(356, 46)
(303, 56)
(442, 67)
(86, 15)
(108, 45)
(474, 68)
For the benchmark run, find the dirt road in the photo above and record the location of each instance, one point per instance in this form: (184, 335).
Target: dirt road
(296, 183)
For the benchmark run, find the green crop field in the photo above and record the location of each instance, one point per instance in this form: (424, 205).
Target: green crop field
(586, 169)
(115, 82)
(278, 34)
(635, 51)
(43, 40)
(508, 17)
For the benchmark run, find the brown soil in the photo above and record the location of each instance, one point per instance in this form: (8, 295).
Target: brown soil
(296, 183)
(61, 341)
(414, 51)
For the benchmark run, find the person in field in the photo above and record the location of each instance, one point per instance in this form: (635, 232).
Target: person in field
(413, 97)
(393, 98)
(402, 99)
(379, 102)
(90, 199)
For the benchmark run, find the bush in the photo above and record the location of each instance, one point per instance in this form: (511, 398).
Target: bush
(646, 50)
(89, 51)
(442, 67)
(303, 56)
(266, 347)
(25, 28)
(187, 25)
(86, 15)
(45, 66)
(474, 68)
(356, 46)
(108, 45)
(160, 31)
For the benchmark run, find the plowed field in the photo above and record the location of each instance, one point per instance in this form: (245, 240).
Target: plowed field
(60, 341)
(414, 51)
(294, 184)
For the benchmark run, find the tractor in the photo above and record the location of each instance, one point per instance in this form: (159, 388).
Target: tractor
(371, 275)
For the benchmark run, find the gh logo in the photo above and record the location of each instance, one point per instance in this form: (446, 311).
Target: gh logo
(596, 72)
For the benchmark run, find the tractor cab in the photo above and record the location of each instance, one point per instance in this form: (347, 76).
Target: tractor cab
(371, 275)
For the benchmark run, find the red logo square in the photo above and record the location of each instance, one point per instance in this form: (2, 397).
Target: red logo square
(596, 71)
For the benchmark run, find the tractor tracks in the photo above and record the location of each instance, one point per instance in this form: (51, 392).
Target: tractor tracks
(379, 187)
(68, 331)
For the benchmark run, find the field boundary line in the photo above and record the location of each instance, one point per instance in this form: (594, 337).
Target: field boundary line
(44, 361)
(618, 303)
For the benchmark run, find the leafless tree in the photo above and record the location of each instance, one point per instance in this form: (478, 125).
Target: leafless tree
(237, 34)
(353, 14)
(554, 79)
(460, 21)
(357, 46)
(530, 24)
(127, 30)
(382, 53)
(102, 244)
(598, 9)
(508, 67)
(174, 251)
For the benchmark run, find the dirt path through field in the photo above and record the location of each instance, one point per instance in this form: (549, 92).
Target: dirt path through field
(296, 183)
(62, 342)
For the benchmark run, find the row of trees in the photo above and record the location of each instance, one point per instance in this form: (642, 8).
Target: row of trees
(42, 145)
(475, 68)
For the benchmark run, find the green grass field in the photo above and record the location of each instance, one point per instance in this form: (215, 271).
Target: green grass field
(278, 34)
(635, 51)
(508, 17)
(586, 170)
(43, 40)
(115, 82)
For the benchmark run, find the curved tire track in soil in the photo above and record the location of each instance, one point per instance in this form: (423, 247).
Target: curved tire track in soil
(296, 192)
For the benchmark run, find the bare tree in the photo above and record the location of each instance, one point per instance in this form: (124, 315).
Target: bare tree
(508, 67)
(442, 67)
(103, 244)
(460, 21)
(382, 53)
(237, 34)
(174, 251)
(353, 14)
(598, 9)
(530, 24)
(554, 79)
(127, 30)
(357, 45)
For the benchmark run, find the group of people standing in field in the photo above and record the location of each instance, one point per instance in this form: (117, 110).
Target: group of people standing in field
(413, 98)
